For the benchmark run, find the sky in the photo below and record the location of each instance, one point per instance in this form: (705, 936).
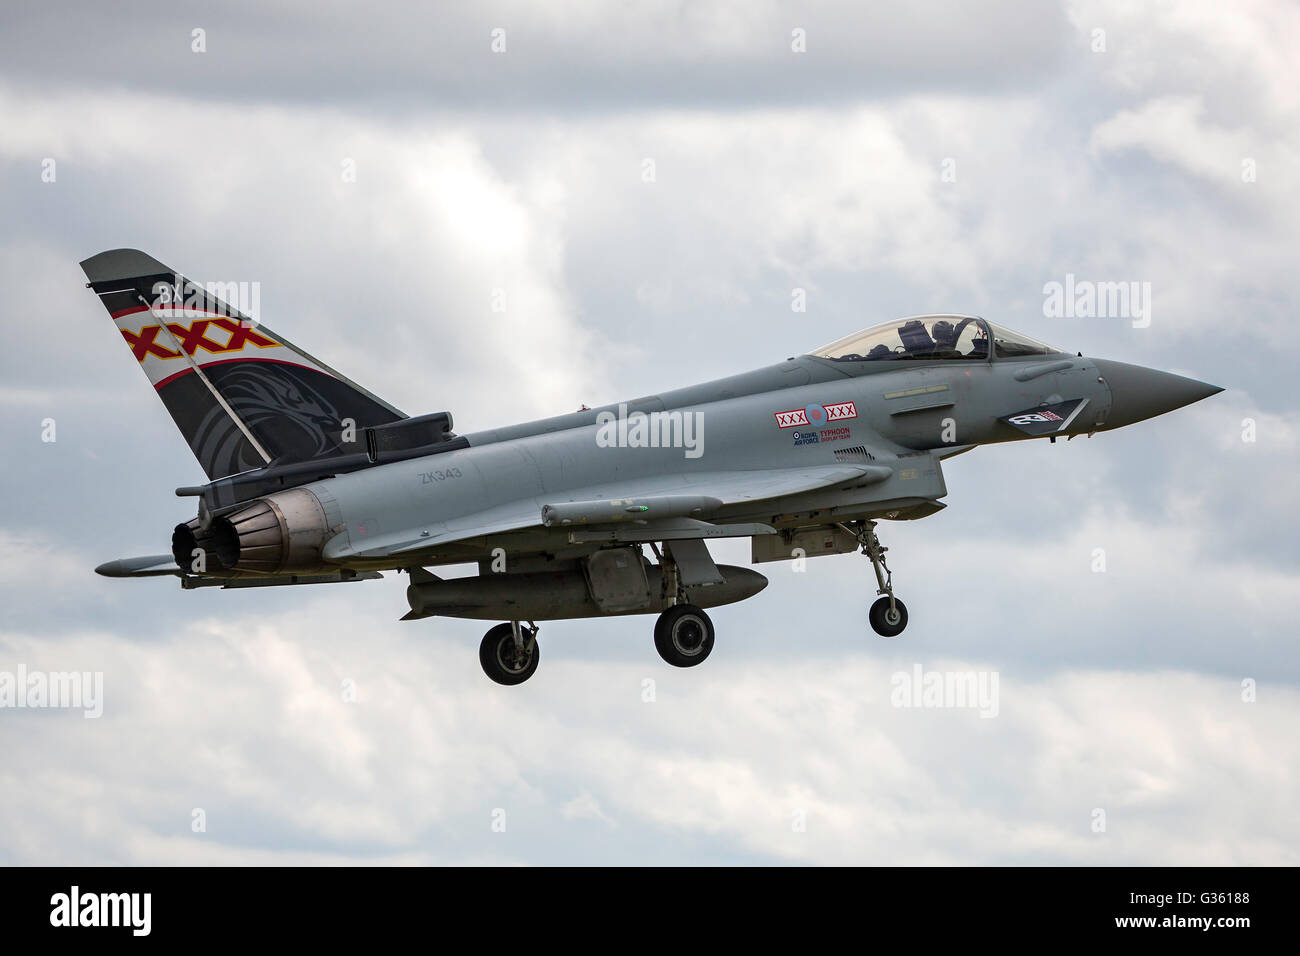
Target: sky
(646, 187)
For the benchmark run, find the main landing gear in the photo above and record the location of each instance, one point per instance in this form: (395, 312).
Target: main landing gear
(683, 633)
(888, 615)
(509, 652)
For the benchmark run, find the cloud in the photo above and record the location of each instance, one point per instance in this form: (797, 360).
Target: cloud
(778, 760)
(568, 56)
(28, 559)
(1172, 130)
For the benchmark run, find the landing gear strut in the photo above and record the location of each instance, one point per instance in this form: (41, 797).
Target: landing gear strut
(888, 615)
(509, 652)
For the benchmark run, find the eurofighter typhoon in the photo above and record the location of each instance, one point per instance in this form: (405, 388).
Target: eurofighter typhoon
(313, 479)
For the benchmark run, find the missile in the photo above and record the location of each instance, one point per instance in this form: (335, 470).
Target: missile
(628, 509)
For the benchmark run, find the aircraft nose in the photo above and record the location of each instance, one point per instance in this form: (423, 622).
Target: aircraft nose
(1139, 393)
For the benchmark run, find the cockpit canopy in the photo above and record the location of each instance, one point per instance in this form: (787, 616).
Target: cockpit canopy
(931, 337)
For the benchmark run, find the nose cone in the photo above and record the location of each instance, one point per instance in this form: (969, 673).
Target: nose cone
(1139, 393)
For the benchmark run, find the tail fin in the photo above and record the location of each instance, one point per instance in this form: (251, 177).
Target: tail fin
(241, 395)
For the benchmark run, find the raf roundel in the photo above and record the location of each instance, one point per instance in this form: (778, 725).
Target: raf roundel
(816, 416)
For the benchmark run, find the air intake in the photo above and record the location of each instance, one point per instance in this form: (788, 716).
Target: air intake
(855, 453)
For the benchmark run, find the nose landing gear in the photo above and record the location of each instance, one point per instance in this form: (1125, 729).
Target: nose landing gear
(888, 615)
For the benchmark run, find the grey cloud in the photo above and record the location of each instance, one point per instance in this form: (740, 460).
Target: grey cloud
(576, 57)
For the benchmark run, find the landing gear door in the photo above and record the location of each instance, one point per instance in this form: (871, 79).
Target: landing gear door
(617, 580)
(695, 565)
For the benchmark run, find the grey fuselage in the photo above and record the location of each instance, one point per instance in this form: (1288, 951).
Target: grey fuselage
(908, 416)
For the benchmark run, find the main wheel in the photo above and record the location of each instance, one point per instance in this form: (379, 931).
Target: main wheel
(502, 661)
(684, 635)
(885, 622)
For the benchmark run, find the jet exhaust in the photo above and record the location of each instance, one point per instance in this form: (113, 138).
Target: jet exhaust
(281, 532)
(194, 549)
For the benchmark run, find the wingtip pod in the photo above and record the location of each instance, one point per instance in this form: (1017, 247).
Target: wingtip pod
(111, 569)
(154, 565)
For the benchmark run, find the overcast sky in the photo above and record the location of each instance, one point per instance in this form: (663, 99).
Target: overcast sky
(914, 158)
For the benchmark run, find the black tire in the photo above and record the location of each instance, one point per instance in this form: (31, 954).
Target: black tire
(881, 621)
(501, 661)
(684, 635)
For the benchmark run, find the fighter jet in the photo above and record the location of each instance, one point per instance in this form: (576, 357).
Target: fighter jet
(313, 479)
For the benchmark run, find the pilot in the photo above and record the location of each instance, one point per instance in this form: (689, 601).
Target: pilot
(881, 351)
(945, 336)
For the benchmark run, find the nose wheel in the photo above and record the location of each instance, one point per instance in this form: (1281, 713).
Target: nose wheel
(888, 615)
(509, 652)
